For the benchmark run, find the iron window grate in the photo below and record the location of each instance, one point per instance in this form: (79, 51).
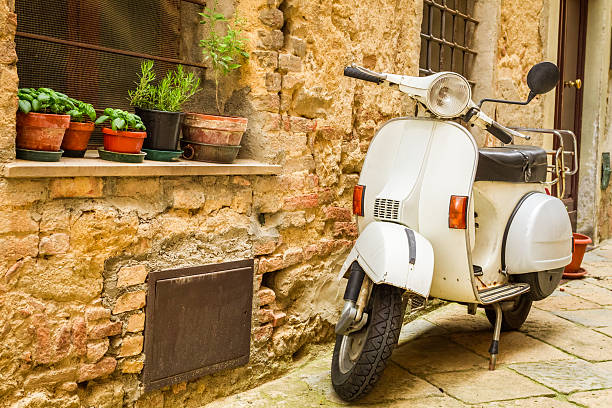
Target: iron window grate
(446, 32)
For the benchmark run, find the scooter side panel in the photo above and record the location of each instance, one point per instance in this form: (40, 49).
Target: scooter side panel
(393, 254)
(449, 171)
(539, 237)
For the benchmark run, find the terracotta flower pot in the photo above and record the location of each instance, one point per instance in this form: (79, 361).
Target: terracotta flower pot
(216, 130)
(573, 269)
(122, 141)
(77, 138)
(41, 131)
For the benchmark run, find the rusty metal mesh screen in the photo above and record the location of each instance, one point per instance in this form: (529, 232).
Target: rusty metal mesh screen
(79, 46)
(446, 36)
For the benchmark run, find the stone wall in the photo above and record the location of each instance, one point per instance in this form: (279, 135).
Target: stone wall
(77, 250)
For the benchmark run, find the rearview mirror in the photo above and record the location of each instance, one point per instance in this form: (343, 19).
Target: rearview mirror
(542, 78)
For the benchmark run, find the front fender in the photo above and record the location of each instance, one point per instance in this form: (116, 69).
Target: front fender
(392, 254)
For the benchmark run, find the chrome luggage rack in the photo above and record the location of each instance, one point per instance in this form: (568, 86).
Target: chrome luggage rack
(558, 170)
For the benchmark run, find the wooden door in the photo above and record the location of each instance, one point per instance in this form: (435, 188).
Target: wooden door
(568, 107)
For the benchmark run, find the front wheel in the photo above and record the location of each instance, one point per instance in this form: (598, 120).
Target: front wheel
(514, 317)
(360, 357)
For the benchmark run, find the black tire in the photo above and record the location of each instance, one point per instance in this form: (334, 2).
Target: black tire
(379, 337)
(513, 318)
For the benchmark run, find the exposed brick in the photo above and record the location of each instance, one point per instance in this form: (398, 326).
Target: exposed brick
(62, 342)
(326, 195)
(241, 181)
(90, 371)
(270, 264)
(131, 346)
(271, 40)
(299, 124)
(273, 81)
(292, 256)
(14, 220)
(271, 121)
(131, 366)
(296, 45)
(265, 315)
(272, 17)
(79, 336)
(266, 102)
(134, 186)
(265, 296)
(263, 333)
(291, 81)
(310, 251)
(69, 386)
(136, 322)
(348, 229)
(264, 248)
(289, 63)
(300, 202)
(131, 275)
(267, 59)
(22, 192)
(50, 377)
(278, 318)
(178, 388)
(188, 198)
(130, 301)
(54, 244)
(77, 187)
(257, 279)
(101, 331)
(42, 352)
(94, 313)
(12, 247)
(96, 350)
(338, 214)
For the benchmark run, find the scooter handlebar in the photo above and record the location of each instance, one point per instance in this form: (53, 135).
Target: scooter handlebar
(499, 132)
(357, 73)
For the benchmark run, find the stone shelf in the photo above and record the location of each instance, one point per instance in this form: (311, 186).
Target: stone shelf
(94, 167)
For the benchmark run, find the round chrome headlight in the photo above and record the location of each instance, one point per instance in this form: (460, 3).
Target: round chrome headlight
(448, 95)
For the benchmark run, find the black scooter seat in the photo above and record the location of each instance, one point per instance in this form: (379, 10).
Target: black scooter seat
(513, 163)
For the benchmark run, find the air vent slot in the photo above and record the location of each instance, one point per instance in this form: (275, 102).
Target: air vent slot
(386, 209)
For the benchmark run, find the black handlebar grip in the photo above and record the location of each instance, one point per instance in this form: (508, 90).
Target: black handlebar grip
(499, 132)
(356, 73)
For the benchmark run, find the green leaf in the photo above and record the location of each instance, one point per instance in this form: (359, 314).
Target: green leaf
(118, 123)
(101, 119)
(25, 106)
(75, 114)
(36, 105)
(26, 97)
(43, 97)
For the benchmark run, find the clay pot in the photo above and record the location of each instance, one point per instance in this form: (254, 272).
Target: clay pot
(121, 141)
(41, 131)
(77, 138)
(209, 153)
(580, 244)
(214, 130)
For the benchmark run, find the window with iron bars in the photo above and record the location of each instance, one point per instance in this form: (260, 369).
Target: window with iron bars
(446, 37)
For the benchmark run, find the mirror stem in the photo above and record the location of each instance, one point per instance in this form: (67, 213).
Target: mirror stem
(529, 99)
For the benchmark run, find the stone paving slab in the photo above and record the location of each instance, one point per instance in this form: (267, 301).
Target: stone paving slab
(589, 318)
(436, 354)
(578, 341)
(564, 301)
(597, 266)
(479, 386)
(419, 328)
(566, 376)
(540, 320)
(605, 330)
(593, 399)
(514, 347)
(454, 319)
(432, 402)
(590, 292)
(604, 282)
(537, 402)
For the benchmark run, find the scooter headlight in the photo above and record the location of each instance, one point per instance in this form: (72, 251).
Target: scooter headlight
(448, 95)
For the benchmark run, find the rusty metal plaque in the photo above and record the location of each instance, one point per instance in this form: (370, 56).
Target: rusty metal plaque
(198, 321)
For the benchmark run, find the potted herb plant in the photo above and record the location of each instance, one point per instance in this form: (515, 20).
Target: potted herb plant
(159, 105)
(41, 122)
(76, 139)
(126, 133)
(225, 54)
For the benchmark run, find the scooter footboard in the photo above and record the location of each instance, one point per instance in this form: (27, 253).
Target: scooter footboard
(393, 254)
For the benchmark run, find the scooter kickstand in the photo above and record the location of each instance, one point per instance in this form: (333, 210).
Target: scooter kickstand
(494, 349)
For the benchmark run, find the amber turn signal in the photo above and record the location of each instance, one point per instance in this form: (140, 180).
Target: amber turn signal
(457, 212)
(358, 197)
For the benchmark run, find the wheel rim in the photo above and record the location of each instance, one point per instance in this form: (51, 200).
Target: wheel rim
(350, 350)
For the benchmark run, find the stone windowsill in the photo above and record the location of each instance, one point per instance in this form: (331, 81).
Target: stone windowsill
(95, 167)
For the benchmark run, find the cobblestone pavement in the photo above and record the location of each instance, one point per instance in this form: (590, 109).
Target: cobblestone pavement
(561, 357)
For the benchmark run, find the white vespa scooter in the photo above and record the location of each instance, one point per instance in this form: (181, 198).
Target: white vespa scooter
(440, 218)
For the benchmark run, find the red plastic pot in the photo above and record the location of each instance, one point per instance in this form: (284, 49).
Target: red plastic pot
(41, 131)
(121, 141)
(212, 129)
(580, 244)
(77, 136)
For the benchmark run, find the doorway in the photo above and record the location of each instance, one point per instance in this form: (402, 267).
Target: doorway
(569, 97)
